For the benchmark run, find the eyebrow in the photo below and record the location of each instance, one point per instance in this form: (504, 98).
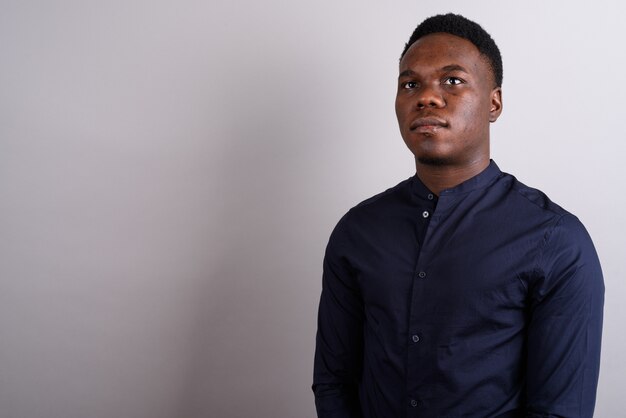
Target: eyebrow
(447, 68)
(406, 73)
(454, 67)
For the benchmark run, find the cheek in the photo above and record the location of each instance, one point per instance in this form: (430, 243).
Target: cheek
(475, 115)
(402, 114)
(399, 109)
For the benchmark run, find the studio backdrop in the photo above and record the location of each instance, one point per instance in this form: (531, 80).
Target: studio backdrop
(170, 173)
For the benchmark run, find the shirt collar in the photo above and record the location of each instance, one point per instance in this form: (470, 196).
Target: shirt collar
(479, 181)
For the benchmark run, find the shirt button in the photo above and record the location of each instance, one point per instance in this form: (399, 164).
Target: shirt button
(421, 274)
(415, 338)
(430, 196)
(413, 403)
(425, 214)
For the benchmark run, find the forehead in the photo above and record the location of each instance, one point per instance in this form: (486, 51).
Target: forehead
(439, 50)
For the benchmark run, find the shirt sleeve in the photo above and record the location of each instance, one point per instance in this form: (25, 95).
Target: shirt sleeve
(339, 342)
(565, 327)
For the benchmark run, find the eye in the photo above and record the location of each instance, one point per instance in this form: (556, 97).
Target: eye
(409, 85)
(454, 81)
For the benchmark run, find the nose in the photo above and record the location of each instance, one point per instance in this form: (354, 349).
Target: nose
(430, 97)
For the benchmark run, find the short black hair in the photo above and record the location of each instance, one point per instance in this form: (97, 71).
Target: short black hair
(464, 28)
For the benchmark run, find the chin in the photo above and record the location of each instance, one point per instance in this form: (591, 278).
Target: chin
(433, 160)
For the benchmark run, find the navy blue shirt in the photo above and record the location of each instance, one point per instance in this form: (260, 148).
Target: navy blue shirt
(485, 301)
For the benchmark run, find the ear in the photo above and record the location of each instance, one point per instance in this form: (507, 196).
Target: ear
(496, 104)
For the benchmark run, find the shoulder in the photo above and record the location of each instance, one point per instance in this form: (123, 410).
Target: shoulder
(564, 237)
(374, 210)
(381, 204)
(392, 195)
(533, 199)
(568, 239)
(565, 254)
(562, 224)
(523, 208)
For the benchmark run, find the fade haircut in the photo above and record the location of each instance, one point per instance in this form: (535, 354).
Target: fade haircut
(462, 27)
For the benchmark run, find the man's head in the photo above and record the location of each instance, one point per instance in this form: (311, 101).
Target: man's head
(463, 28)
(448, 92)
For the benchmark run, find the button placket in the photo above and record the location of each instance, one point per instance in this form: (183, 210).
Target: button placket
(416, 342)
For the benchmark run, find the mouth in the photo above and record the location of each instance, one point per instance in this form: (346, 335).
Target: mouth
(427, 124)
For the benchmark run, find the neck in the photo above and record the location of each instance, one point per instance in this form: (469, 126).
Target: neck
(441, 177)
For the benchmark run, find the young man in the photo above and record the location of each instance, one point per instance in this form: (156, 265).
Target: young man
(460, 292)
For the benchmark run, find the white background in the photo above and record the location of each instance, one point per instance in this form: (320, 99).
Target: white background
(170, 173)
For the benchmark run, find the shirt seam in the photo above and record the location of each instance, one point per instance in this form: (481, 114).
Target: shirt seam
(544, 244)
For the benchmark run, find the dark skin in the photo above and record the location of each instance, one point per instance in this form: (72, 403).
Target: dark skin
(446, 100)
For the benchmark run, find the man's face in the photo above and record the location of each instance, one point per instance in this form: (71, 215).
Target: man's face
(445, 101)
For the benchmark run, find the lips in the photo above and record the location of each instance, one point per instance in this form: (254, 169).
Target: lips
(427, 123)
